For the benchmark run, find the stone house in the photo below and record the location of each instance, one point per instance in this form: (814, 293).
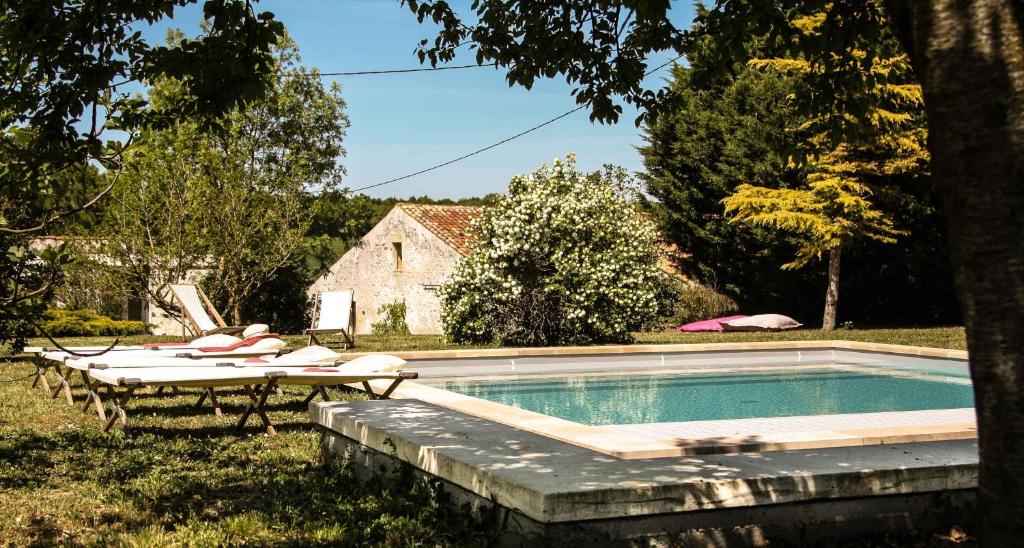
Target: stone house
(406, 257)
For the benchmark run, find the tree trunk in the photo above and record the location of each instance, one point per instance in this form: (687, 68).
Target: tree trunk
(236, 311)
(969, 58)
(828, 323)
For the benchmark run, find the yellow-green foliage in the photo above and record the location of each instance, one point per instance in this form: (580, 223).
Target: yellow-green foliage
(848, 157)
(87, 323)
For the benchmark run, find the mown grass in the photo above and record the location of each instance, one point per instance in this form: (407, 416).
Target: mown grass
(938, 337)
(182, 476)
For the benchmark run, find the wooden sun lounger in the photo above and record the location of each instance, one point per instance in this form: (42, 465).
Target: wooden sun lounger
(128, 380)
(62, 364)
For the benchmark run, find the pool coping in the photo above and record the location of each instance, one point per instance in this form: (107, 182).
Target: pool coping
(923, 351)
(618, 443)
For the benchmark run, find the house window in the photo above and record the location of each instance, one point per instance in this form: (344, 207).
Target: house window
(396, 254)
(135, 309)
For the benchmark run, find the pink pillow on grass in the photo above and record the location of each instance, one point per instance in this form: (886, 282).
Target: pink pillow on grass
(762, 322)
(713, 325)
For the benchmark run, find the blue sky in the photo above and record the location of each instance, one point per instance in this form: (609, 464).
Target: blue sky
(406, 122)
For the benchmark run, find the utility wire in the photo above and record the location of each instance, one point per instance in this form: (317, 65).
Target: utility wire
(368, 72)
(503, 141)
(474, 153)
(402, 71)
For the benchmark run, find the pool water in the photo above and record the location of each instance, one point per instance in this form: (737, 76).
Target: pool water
(600, 400)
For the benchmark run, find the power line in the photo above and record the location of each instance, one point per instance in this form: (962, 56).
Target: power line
(367, 72)
(474, 153)
(503, 141)
(402, 71)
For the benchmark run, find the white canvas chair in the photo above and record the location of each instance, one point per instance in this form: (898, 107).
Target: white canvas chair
(197, 309)
(334, 313)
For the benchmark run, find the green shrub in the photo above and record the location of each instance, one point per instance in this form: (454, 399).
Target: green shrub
(392, 320)
(85, 322)
(563, 258)
(695, 302)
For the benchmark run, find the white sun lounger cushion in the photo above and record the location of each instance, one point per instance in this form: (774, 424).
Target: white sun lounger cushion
(231, 376)
(269, 343)
(304, 357)
(309, 354)
(217, 339)
(373, 362)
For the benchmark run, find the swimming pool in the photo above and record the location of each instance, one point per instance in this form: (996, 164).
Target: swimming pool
(669, 400)
(602, 400)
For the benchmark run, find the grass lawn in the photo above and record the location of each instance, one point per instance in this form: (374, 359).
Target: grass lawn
(183, 476)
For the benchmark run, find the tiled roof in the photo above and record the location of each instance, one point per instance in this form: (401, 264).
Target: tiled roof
(449, 223)
(452, 225)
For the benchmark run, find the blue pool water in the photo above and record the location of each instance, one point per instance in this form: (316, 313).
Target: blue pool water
(597, 400)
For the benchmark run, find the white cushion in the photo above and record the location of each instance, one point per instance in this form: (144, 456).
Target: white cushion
(217, 339)
(373, 363)
(762, 322)
(270, 343)
(309, 355)
(255, 330)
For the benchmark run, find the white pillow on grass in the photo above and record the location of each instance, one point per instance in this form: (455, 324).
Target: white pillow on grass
(762, 322)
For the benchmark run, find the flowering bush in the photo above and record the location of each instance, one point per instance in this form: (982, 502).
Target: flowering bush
(563, 258)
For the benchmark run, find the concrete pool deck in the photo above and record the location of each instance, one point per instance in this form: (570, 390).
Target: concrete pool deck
(551, 482)
(803, 480)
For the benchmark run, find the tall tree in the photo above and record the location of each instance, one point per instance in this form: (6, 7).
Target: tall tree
(852, 158)
(695, 154)
(969, 60)
(232, 202)
(62, 72)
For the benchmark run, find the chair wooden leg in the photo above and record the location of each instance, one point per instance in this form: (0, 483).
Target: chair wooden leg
(62, 386)
(92, 397)
(387, 393)
(118, 405)
(317, 390)
(39, 376)
(369, 391)
(256, 405)
(215, 402)
(312, 394)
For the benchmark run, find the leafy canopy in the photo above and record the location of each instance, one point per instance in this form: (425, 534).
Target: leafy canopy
(234, 202)
(563, 258)
(850, 158)
(64, 109)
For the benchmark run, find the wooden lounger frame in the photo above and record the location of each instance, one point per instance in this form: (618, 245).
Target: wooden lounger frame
(257, 400)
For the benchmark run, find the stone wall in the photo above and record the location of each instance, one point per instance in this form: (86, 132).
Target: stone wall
(371, 269)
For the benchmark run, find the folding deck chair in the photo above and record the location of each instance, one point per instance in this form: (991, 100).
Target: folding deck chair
(122, 383)
(334, 313)
(196, 308)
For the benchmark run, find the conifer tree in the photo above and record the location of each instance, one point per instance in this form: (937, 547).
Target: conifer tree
(847, 158)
